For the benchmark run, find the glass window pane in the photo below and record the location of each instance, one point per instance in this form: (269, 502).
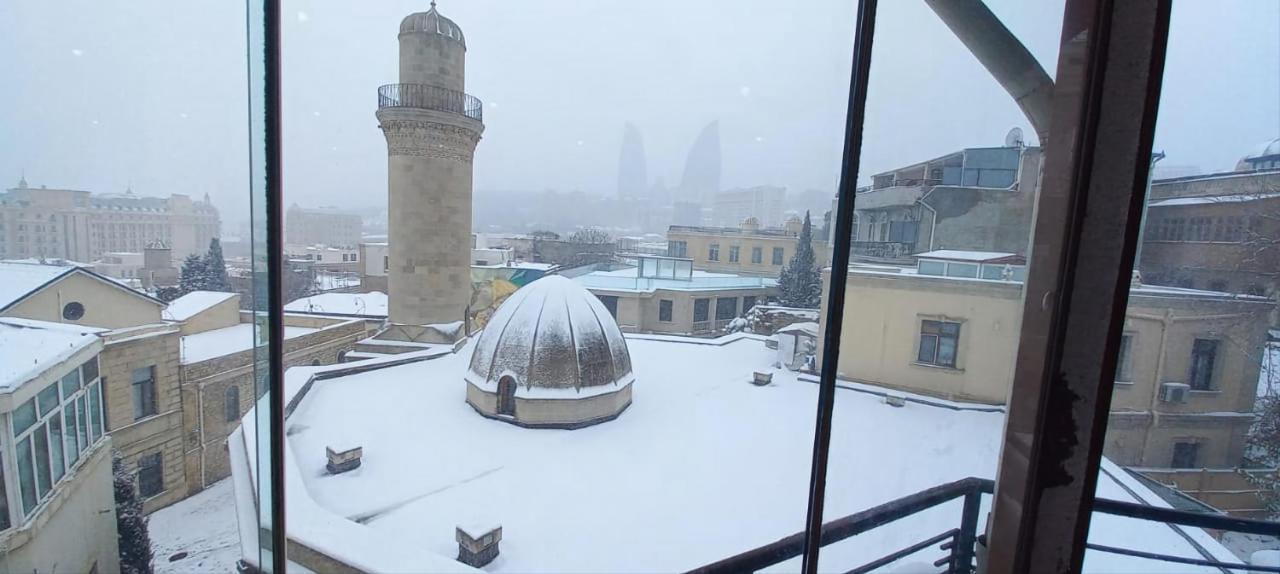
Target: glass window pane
(43, 480)
(27, 476)
(24, 416)
(928, 267)
(69, 421)
(48, 399)
(928, 349)
(55, 445)
(82, 428)
(89, 370)
(71, 383)
(962, 270)
(4, 501)
(95, 409)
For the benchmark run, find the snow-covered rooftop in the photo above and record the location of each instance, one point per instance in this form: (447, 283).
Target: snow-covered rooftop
(704, 465)
(371, 304)
(187, 306)
(28, 348)
(959, 255)
(628, 279)
(227, 340)
(19, 279)
(1209, 199)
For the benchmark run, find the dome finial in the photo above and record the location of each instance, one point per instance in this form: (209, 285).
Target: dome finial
(433, 4)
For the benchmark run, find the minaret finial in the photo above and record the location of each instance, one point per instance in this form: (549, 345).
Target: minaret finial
(433, 4)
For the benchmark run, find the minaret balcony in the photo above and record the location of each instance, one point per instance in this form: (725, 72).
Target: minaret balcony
(427, 97)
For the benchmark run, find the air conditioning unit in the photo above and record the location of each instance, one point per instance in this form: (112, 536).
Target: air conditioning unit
(1174, 392)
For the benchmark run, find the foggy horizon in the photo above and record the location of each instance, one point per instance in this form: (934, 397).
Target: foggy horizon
(559, 81)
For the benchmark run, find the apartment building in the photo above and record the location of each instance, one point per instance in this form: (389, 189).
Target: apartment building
(83, 226)
(949, 327)
(748, 249)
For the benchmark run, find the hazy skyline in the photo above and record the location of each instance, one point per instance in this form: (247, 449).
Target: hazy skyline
(103, 95)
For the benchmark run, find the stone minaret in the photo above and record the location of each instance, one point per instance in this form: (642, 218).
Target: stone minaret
(432, 127)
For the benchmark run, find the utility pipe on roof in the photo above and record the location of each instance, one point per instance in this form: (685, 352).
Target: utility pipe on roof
(1003, 55)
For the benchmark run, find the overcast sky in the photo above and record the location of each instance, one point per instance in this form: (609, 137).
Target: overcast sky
(104, 94)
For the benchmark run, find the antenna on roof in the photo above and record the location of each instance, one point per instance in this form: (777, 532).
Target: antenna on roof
(1014, 138)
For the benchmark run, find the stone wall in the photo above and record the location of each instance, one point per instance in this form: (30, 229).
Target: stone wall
(161, 432)
(206, 385)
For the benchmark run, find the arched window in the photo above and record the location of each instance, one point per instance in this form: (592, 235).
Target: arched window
(232, 403)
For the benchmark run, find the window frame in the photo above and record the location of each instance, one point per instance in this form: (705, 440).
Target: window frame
(666, 310)
(158, 466)
(935, 330)
(145, 396)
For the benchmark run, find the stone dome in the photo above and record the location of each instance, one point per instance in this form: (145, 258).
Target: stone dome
(1266, 150)
(551, 334)
(552, 356)
(432, 22)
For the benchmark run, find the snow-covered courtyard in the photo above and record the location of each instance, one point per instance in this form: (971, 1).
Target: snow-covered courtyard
(198, 534)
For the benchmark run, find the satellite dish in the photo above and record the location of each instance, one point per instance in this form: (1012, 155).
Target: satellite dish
(1013, 138)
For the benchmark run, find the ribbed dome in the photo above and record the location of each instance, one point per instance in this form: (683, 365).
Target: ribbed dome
(431, 21)
(1264, 150)
(551, 334)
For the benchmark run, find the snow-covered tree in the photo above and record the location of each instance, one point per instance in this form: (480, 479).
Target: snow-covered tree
(591, 235)
(194, 275)
(131, 523)
(800, 284)
(216, 268)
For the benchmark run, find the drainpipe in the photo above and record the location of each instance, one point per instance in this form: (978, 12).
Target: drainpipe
(933, 221)
(1142, 223)
(1165, 322)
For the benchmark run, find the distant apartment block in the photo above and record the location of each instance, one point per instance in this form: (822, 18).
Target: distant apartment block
(766, 203)
(950, 326)
(1214, 232)
(977, 199)
(748, 249)
(667, 295)
(82, 226)
(322, 226)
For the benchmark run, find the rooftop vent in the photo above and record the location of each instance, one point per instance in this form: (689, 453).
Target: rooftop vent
(478, 545)
(343, 459)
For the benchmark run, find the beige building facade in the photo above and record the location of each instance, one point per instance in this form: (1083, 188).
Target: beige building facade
(57, 509)
(327, 226)
(82, 226)
(1186, 378)
(139, 364)
(746, 250)
(666, 295)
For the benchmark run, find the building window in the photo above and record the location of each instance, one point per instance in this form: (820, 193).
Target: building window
(757, 255)
(144, 392)
(1124, 369)
(713, 252)
(73, 311)
(1185, 454)
(726, 308)
(677, 249)
(611, 303)
(748, 302)
(938, 343)
(1204, 352)
(733, 254)
(4, 502)
(231, 403)
(150, 475)
(664, 310)
(701, 310)
(777, 256)
(386, 263)
(50, 434)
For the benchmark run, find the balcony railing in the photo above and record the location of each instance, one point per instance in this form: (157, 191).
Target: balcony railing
(955, 550)
(883, 249)
(425, 97)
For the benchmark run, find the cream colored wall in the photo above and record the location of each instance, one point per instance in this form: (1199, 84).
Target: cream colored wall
(638, 312)
(699, 245)
(882, 317)
(105, 306)
(224, 314)
(75, 530)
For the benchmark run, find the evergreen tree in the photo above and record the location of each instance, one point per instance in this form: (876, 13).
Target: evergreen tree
(800, 284)
(216, 268)
(131, 523)
(193, 276)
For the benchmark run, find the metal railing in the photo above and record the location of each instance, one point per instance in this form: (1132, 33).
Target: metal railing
(957, 545)
(883, 249)
(423, 96)
(906, 182)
